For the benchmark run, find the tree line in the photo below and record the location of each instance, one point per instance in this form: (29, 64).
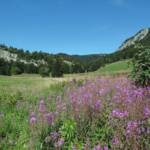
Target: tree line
(58, 64)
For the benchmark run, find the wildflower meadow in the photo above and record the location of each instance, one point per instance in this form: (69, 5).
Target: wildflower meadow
(98, 114)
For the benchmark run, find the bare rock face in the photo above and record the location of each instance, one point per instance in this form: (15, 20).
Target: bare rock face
(136, 38)
(7, 55)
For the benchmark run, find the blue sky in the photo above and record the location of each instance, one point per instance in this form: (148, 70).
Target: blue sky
(71, 26)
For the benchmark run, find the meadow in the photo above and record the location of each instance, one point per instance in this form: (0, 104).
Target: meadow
(124, 66)
(83, 111)
(17, 95)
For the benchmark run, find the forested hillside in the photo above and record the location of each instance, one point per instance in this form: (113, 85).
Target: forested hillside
(17, 61)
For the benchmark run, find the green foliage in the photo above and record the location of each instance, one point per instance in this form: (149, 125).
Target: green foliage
(16, 97)
(66, 67)
(78, 68)
(30, 68)
(101, 130)
(57, 67)
(44, 71)
(68, 130)
(141, 68)
(5, 67)
(79, 64)
(15, 70)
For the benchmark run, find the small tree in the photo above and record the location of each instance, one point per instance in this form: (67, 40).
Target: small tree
(78, 68)
(5, 67)
(57, 68)
(15, 70)
(66, 67)
(44, 71)
(141, 68)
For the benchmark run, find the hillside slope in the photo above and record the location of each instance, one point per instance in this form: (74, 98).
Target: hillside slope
(140, 40)
(123, 66)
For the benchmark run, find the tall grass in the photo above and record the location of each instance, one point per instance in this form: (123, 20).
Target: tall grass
(19, 95)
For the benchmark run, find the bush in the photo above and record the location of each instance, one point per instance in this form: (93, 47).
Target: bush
(57, 68)
(141, 68)
(44, 71)
(15, 70)
(5, 68)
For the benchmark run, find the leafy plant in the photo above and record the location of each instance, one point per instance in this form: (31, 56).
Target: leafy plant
(141, 68)
(68, 130)
(44, 71)
(57, 67)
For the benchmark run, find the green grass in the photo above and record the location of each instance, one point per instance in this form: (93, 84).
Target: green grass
(26, 83)
(117, 67)
(17, 96)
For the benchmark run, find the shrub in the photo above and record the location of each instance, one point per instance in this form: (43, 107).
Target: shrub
(57, 68)
(141, 68)
(68, 130)
(44, 71)
(5, 68)
(15, 70)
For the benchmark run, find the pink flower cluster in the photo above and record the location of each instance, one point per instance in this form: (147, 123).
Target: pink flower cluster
(33, 119)
(127, 102)
(87, 99)
(119, 114)
(42, 116)
(147, 112)
(132, 128)
(125, 108)
(98, 147)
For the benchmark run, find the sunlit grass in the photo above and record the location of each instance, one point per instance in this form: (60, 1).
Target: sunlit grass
(124, 66)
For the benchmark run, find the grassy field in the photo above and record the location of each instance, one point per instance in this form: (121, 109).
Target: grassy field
(124, 66)
(76, 108)
(17, 96)
(36, 85)
(25, 83)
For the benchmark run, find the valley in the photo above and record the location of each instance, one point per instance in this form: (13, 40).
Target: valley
(73, 102)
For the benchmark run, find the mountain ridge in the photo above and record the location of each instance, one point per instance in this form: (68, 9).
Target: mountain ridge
(133, 40)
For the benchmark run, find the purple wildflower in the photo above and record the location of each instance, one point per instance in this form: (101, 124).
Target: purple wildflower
(32, 119)
(60, 142)
(97, 105)
(147, 112)
(97, 147)
(54, 135)
(118, 114)
(105, 148)
(49, 117)
(132, 127)
(42, 107)
(115, 140)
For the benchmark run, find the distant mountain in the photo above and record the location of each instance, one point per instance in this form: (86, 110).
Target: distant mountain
(139, 40)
